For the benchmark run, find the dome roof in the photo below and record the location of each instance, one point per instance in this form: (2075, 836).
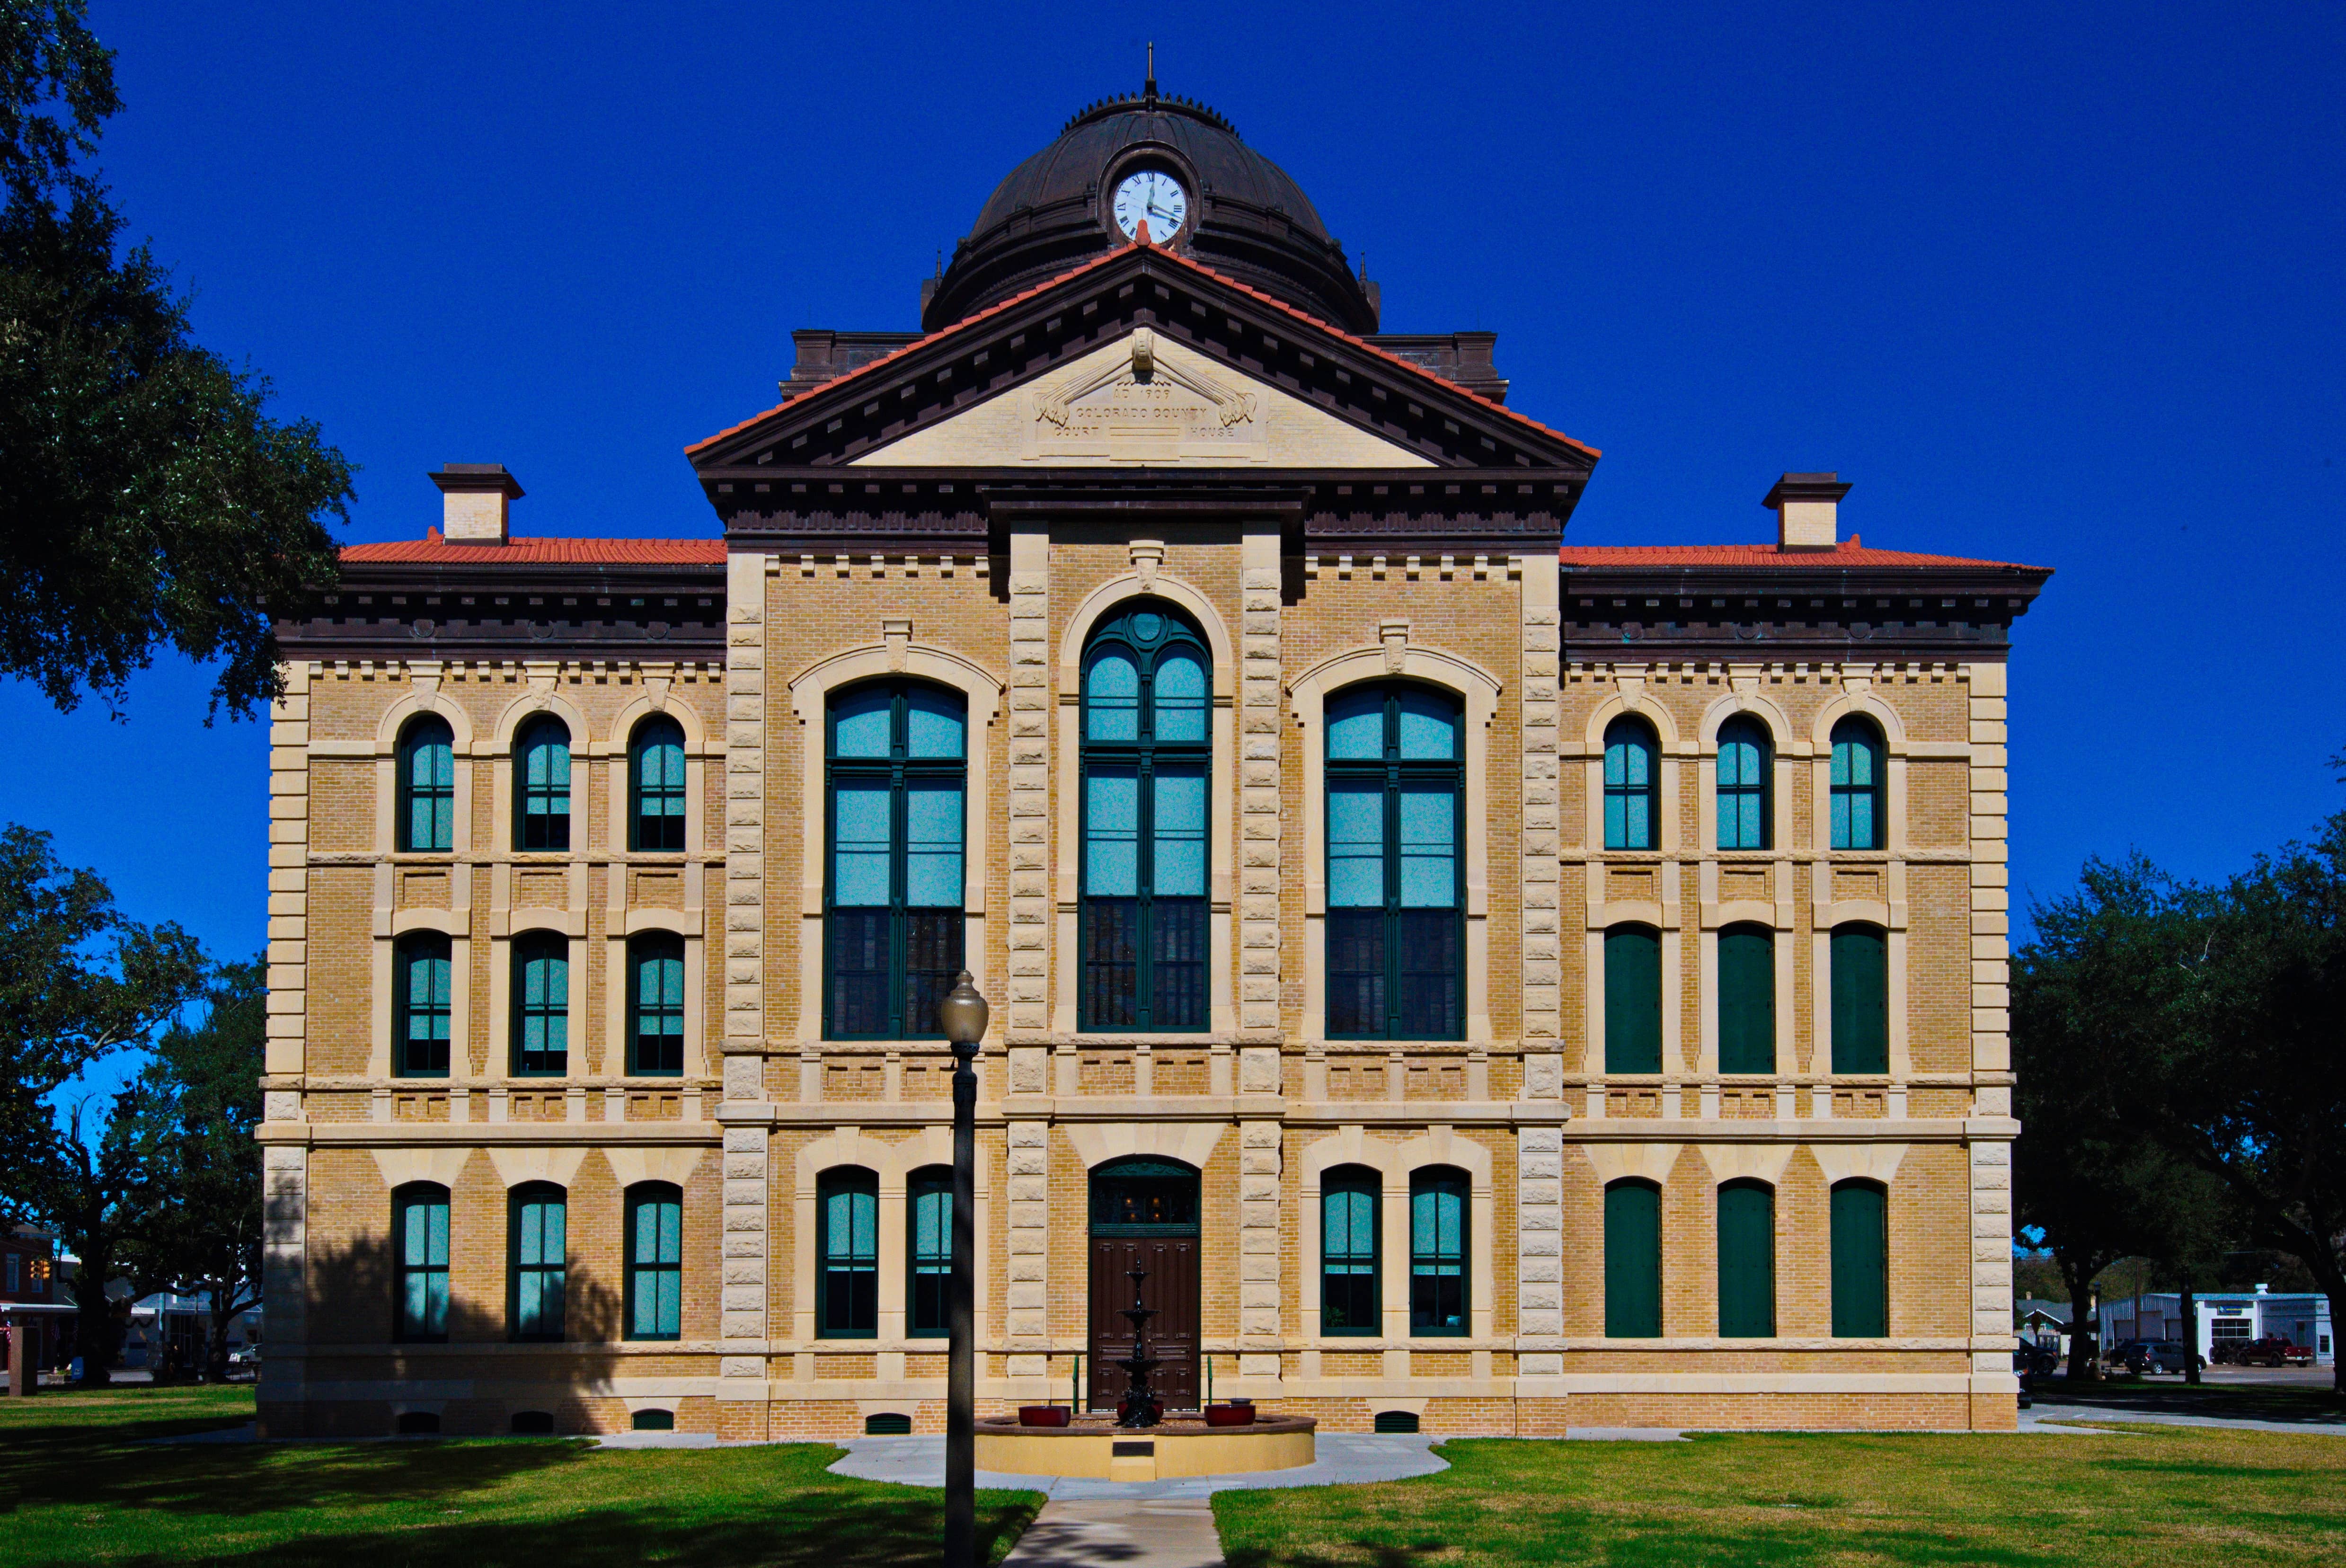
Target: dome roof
(1248, 217)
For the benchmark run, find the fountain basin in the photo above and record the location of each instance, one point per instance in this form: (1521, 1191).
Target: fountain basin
(1095, 1448)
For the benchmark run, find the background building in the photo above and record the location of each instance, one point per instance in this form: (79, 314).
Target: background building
(1484, 983)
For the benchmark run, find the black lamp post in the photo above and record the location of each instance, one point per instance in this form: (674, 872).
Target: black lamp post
(962, 1016)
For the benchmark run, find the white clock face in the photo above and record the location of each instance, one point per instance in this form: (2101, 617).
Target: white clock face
(1156, 196)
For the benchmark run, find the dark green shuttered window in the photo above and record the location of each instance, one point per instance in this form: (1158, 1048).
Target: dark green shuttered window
(1861, 1261)
(1633, 1000)
(536, 1261)
(421, 1006)
(1861, 999)
(928, 1241)
(1349, 1302)
(1633, 779)
(1744, 765)
(1396, 881)
(1747, 999)
(419, 1223)
(542, 785)
(1632, 1260)
(656, 785)
(655, 1304)
(427, 785)
(1746, 1261)
(1437, 1251)
(847, 1254)
(1857, 816)
(892, 930)
(656, 1004)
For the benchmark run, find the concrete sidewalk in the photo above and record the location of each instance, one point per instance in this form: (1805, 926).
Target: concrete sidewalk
(1094, 1532)
(1345, 1458)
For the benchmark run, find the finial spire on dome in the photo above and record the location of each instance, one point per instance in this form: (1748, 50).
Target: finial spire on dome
(1148, 87)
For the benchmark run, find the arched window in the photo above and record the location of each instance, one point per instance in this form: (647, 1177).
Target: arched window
(535, 1260)
(655, 1304)
(928, 1266)
(1745, 762)
(1437, 1251)
(847, 1254)
(1147, 744)
(1632, 999)
(656, 785)
(656, 1004)
(1632, 1260)
(1747, 999)
(421, 1006)
(1350, 1301)
(1861, 1260)
(542, 785)
(1633, 782)
(541, 1004)
(1857, 814)
(419, 1241)
(1396, 884)
(427, 784)
(893, 921)
(1747, 1261)
(1861, 999)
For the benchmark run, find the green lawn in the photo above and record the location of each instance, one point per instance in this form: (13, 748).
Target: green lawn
(81, 1482)
(2165, 1496)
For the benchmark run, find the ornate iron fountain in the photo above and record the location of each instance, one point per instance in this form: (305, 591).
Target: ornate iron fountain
(1140, 1406)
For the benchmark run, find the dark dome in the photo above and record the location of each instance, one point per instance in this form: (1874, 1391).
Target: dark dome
(1247, 219)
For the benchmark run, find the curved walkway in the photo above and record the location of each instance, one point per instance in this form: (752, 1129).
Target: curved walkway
(1345, 1458)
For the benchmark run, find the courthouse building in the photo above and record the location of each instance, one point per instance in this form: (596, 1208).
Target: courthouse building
(1490, 984)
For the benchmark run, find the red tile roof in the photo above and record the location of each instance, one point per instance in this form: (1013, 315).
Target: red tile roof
(1850, 553)
(1304, 315)
(431, 549)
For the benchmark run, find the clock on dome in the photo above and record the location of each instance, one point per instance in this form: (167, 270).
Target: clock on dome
(1156, 196)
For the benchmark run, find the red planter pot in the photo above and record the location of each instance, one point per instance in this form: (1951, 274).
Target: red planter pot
(1042, 1415)
(1229, 1415)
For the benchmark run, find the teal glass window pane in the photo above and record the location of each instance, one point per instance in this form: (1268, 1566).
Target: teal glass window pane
(852, 1227)
(1856, 786)
(1746, 1000)
(928, 1302)
(655, 783)
(421, 1215)
(420, 1022)
(655, 1262)
(1746, 1261)
(1356, 843)
(1356, 725)
(847, 1254)
(1178, 831)
(933, 724)
(1633, 1000)
(1179, 693)
(932, 845)
(1633, 1261)
(1437, 1254)
(543, 766)
(541, 1004)
(860, 840)
(539, 1216)
(1429, 727)
(1348, 1292)
(1428, 846)
(658, 979)
(1112, 696)
(1629, 784)
(427, 785)
(1742, 766)
(860, 721)
(1111, 830)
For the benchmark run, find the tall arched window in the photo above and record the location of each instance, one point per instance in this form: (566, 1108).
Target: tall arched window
(1349, 1299)
(1861, 1260)
(1861, 999)
(1633, 783)
(656, 785)
(535, 1260)
(655, 1290)
(419, 1243)
(928, 1242)
(1745, 761)
(1747, 999)
(1857, 815)
(542, 785)
(893, 920)
(1437, 1251)
(421, 1006)
(427, 784)
(540, 1002)
(1147, 746)
(847, 1254)
(1747, 1261)
(656, 1004)
(1632, 1260)
(1632, 999)
(1396, 882)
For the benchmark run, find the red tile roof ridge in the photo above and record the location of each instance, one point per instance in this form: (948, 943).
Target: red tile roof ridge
(1850, 553)
(543, 550)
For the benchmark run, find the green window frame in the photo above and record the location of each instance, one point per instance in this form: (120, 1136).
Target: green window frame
(1861, 999)
(1632, 999)
(847, 1254)
(1857, 821)
(1744, 765)
(1632, 1260)
(537, 1260)
(1746, 1000)
(1633, 785)
(1747, 1261)
(1440, 1276)
(1351, 1297)
(541, 786)
(1861, 1260)
(655, 785)
(655, 1262)
(419, 1242)
(540, 1004)
(422, 1004)
(655, 1005)
(928, 1246)
(427, 785)
(895, 825)
(1146, 763)
(1396, 905)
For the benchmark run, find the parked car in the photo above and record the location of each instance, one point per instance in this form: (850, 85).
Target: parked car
(2162, 1356)
(2299, 1355)
(2272, 1351)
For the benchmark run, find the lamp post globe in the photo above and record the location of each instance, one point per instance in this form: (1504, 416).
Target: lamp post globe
(962, 1015)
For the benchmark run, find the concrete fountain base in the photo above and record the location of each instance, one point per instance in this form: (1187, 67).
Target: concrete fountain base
(1095, 1448)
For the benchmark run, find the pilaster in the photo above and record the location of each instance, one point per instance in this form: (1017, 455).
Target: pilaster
(1029, 995)
(1539, 1240)
(1259, 781)
(1027, 1326)
(1258, 1251)
(1542, 966)
(745, 1293)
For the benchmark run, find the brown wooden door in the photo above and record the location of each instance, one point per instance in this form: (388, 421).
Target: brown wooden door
(1172, 1288)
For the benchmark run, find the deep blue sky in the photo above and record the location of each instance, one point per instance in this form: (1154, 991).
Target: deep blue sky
(2060, 285)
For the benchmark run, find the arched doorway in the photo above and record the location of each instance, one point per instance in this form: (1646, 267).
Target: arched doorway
(1145, 1215)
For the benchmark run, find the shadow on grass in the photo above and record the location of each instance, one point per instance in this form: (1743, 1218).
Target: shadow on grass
(2302, 1405)
(1672, 1546)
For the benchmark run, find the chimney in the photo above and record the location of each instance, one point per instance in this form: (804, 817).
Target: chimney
(474, 498)
(1808, 511)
